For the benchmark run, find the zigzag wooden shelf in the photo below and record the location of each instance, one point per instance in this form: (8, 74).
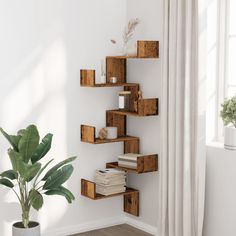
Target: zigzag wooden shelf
(131, 196)
(145, 164)
(116, 67)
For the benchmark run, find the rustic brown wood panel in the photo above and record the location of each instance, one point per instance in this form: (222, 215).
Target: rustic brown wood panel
(87, 133)
(118, 121)
(88, 189)
(87, 77)
(110, 85)
(148, 49)
(134, 95)
(148, 107)
(119, 139)
(131, 203)
(147, 163)
(131, 146)
(116, 67)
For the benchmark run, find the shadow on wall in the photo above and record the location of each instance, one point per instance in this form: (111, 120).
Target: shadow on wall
(35, 92)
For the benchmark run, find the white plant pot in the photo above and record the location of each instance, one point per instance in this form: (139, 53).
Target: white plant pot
(230, 138)
(33, 230)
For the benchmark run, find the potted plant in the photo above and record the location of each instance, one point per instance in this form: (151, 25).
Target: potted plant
(27, 178)
(228, 115)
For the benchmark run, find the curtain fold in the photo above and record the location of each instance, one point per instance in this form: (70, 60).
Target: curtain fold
(182, 165)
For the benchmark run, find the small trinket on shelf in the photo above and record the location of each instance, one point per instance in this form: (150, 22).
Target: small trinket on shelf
(102, 133)
(140, 96)
(113, 80)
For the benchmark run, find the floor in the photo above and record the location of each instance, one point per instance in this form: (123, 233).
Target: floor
(125, 230)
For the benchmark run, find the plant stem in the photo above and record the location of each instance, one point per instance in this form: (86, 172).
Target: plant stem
(25, 217)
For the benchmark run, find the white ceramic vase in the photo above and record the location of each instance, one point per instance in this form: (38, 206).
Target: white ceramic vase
(33, 230)
(230, 138)
(111, 132)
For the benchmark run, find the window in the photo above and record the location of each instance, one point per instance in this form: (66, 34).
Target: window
(230, 49)
(221, 74)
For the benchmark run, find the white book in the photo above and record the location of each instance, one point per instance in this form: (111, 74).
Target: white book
(127, 164)
(110, 183)
(129, 156)
(110, 172)
(106, 192)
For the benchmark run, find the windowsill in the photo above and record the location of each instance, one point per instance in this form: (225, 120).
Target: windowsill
(215, 144)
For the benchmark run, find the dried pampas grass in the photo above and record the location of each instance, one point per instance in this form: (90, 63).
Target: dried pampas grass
(129, 30)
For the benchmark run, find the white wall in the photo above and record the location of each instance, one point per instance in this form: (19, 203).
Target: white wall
(148, 74)
(43, 45)
(220, 205)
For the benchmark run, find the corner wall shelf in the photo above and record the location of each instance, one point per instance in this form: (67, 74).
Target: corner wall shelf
(116, 66)
(131, 196)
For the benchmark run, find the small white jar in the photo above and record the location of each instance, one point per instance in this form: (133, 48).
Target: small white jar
(111, 132)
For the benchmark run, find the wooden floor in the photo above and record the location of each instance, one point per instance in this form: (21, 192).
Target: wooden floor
(119, 230)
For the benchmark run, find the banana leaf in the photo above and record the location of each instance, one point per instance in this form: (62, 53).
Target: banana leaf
(12, 139)
(58, 178)
(36, 199)
(28, 142)
(42, 148)
(60, 164)
(6, 182)
(10, 174)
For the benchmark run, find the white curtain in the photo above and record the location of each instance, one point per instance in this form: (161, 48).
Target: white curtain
(182, 164)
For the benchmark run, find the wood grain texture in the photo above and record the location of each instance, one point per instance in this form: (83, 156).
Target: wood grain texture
(118, 121)
(110, 85)
(125, 139)
(88, 189)
(145, 164)
(133, 97)
(131, 203)
(87, 133)
(148, 49)
(116, 68)
(87, 77)
(131, 146)
(148, 107)
(118, 230)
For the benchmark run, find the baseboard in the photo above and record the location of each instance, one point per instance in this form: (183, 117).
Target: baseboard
(99, 224)
(80, 228)
(141, 225)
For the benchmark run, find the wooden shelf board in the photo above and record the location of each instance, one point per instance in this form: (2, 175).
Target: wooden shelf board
(115, 165)
(130, 57)
(110, 85)
(128, 113)
(127, 192)
(119, 139)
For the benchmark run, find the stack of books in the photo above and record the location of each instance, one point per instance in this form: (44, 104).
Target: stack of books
(110, 181)
(128, 160)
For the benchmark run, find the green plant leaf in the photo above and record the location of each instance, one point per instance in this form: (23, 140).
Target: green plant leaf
(28, 142)
(41, 171)
(68, 192)
(6, 182)
(36, 199)
(42, 148)
(10, 174)
(59, 177)
(15, 158)
(12, 139)
(21, 132)
(27, 171)
(56, 167)
(62, 192)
